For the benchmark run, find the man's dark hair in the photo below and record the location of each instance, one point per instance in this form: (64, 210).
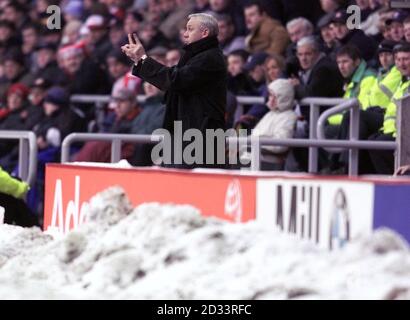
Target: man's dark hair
(224, 17)
(32, 25)
(349, 50)
(251, 3)
(16, 6)
(240, 53)
(401, 47)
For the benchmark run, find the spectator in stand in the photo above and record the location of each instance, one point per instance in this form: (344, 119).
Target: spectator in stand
(395, 25)
(266, 34)
(406, 29)
(59, 120)
(16, 117)
(297, 29)
(172, 57)
(316, 70)
(14, 72)
(174, 12)
(278, 123)
(118, 64)
(8, 38)
(331, 6)
(80, 73)
(150, 36)
(46, 62)
(274, 68)
(12, 193)
(150, 119)
(31, 37)
(73, 11)
(383, 160)
(126, 110)
(328, 41)
(38, 91)
(116, 34)
(371, 119)
(255, 68)
(132, 22)
(239, 83)
(71, 33)
(227, 39)
(231, 8)
(99, 40)
(201, 6)
(356, 37)
(313, 81)
(15, 13)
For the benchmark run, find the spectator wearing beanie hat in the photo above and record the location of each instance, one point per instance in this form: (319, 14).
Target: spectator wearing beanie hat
(59, 120)
(98, 38)
(46, 61)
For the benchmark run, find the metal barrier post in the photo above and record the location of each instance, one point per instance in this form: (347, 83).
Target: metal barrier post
(403, 132)
(115, 150)
(23, 164)
(255, 154)
(354, 136)
(313, 152)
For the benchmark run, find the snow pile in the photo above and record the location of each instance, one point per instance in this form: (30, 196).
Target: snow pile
(171, 252)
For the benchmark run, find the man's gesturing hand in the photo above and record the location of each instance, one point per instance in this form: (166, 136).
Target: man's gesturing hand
(134, 49)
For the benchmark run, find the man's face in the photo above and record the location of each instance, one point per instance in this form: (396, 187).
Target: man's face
(253, 17)
(116, 68)
(340, 30)
(327, 34)
(36, 96)
(123, 107)
(29, 37)
(235, 65)
(297, 32)
(5, 33)
(14, 101)
(257, 73)
(11, 69)
(225, 31)
(386, 59)
(96, 35)
(130, 24)
(273, 71)
(402, 61)
(406, 29)
(396, 31)
(172, 58)
(218, 5)
(73, 63)
(307, 56)
(44, 57)
(347, 65)
(194, 31)
(49, 108)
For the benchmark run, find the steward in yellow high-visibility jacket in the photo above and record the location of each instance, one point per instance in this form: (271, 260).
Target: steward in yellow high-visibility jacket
(15, 209)
(383, 160)
(362, 78)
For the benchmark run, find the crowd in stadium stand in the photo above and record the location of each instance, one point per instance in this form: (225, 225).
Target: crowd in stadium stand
(282, 50)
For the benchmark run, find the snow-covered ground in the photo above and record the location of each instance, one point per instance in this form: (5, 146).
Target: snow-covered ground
(171, 252)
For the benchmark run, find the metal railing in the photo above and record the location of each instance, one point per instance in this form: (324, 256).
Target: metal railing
(316, 132)
(27, 163)
(116, 142)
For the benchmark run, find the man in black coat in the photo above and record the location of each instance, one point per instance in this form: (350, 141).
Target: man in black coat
(195, 89)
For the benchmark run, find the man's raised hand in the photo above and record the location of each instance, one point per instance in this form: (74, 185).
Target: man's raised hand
(134, 49)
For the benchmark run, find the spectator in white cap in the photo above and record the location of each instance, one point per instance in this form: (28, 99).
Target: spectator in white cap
(98, 37)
